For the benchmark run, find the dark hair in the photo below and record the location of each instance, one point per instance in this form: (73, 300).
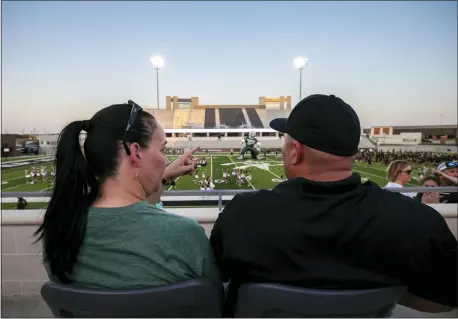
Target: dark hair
(78, 179)
(433, 177)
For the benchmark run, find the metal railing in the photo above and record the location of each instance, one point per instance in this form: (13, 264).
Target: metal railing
(228, 192)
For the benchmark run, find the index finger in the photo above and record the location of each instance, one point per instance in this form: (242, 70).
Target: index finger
(191, 151)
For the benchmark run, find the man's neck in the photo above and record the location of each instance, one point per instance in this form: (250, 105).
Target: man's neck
(329, 176)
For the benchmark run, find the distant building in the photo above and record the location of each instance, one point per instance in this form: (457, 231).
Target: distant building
(48, 143)
(9, 147)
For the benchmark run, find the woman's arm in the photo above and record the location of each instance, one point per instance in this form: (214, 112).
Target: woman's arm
(454, 180)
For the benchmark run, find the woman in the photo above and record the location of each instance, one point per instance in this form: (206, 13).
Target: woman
(99, 230)
(398, 173)
(429, 197)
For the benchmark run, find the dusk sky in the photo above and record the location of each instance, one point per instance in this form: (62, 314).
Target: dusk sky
(394, 62)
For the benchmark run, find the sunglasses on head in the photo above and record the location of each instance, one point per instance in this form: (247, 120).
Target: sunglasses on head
(409, 171)
(451, 164)
(136, 109)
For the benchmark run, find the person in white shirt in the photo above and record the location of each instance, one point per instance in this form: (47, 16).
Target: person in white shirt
(398, 173)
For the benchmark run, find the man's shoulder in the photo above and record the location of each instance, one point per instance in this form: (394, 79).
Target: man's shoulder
(397, 205)
(258, 196)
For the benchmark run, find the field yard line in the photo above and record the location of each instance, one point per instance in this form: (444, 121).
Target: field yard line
(273, 174)
(236, 167)
(47, 189)
(5, 189)
(170, 188)
(361, 172)
(11, 179)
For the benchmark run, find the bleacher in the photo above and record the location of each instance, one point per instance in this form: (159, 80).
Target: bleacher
(181, 118)
(165, 117)
(210, 119)
(234, 142)
(366, 143)
(268, 115)
(232, 117)
(254, 118)
(196, 117)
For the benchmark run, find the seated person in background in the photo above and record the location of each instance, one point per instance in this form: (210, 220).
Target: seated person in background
(21, 203)
(322, 228)
(99, 230)
(398, 173)
(429, 197)
(448, 176)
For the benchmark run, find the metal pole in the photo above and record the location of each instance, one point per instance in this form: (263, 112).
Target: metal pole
(157, 86)
(220, 202)
(300, 84)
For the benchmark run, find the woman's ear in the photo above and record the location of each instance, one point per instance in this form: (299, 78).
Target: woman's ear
(135, 154)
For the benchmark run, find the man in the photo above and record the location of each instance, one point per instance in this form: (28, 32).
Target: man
(448, 176)
(323, 228)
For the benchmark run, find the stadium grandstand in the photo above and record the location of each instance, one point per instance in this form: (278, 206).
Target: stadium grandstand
(187, 113)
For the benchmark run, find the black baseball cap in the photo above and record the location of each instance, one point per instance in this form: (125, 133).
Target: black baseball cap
(323, 122)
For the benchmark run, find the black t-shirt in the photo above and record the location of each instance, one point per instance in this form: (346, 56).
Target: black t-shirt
(340, 235)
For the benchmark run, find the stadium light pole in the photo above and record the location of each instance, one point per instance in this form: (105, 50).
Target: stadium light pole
(300, 63)
(158, 63)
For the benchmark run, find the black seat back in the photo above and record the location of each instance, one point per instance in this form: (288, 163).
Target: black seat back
(275, 301)
(192, 299)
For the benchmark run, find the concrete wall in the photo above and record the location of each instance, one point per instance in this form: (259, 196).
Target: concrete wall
(23, 273)
(401, 139)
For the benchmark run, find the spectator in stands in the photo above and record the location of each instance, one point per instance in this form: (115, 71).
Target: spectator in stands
(429, 197)
(99, 230)
(448, 173)
(323, 228)
(398, 173)
(448, 176)
(21, 203)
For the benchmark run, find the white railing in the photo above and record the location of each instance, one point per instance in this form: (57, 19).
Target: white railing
(219, 195)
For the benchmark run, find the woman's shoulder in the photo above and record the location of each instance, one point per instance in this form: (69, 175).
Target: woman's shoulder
(391, 184)
(178, 221)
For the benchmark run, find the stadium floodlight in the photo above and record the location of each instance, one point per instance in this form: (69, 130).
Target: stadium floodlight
(158, 63)
(300, 63)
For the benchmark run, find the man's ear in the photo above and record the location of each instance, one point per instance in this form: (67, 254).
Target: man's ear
(297, 152)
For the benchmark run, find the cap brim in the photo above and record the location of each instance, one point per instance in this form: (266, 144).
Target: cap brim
(278, 125)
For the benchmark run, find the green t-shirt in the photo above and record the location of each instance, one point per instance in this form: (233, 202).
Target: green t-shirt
(142, 246)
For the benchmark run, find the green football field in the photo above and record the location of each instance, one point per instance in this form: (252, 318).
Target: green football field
(266, 173)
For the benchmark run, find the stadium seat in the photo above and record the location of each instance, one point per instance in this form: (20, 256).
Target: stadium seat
(191, 299)
(280, 301)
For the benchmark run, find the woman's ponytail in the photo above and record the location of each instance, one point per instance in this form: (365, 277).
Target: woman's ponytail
(65, 220)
